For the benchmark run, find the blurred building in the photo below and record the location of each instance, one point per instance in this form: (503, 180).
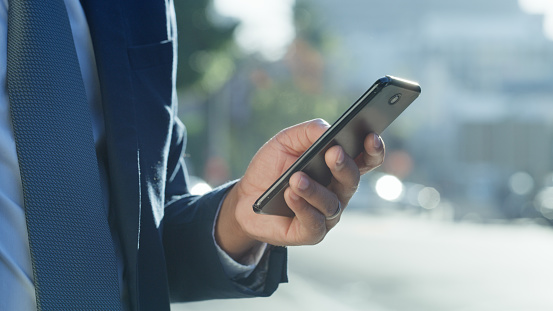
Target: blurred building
(486, 70)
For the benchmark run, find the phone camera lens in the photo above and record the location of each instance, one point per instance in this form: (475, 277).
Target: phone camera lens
(394, 99)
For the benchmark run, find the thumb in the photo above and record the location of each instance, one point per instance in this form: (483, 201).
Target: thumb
(298, 138)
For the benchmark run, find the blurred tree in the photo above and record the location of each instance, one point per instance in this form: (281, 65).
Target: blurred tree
(287, 92)
(308, 24)
(199, 37)
(205, 64)
(232, 103)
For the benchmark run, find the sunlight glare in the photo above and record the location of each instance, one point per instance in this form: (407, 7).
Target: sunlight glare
(266, 27)
(200, 188)
(544, 7)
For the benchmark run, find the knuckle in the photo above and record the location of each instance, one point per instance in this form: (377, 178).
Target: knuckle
(317, 239)
(333, 224)
(318, 226)
(318, 232)
(356, 178)
(353, 189)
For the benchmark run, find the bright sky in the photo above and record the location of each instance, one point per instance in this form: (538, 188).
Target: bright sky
(544, 7)
(266, 26)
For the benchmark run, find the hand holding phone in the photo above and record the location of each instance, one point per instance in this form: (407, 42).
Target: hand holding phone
(382, 103)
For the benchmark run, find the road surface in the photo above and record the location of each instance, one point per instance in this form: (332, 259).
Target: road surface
(404, 263)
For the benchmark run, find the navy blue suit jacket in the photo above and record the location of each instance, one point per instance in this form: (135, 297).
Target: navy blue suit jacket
(165, 233)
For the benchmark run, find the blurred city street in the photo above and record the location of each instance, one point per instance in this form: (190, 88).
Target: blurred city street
(396, 263)
(468, 171)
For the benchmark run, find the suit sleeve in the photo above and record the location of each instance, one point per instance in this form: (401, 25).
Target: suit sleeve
(193, 266)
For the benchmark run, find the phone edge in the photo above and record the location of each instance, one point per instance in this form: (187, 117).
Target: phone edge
(282, 181)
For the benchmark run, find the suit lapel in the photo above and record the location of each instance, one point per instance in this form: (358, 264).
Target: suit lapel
(108, 32)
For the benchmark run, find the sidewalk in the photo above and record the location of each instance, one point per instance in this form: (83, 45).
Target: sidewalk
(397, 264)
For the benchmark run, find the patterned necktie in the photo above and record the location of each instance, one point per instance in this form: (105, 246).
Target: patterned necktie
(74, 262)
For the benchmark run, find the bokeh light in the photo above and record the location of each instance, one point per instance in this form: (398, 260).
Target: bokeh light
(429, 198)
(544, 202)
(389, 188)
(521, 183)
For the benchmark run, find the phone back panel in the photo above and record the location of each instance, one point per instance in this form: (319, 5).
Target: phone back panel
(372, 113)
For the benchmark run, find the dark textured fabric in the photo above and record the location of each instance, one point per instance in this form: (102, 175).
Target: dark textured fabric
(74, 262)
(196, 220)
(134, 44)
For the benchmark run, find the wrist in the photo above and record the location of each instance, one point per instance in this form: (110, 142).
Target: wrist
(229, 233)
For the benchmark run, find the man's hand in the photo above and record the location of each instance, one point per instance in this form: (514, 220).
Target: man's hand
(239, 230)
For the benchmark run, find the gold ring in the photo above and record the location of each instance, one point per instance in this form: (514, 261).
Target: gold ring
(337, 213)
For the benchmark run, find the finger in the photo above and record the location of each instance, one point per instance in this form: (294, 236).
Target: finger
(345, 172)
(373, 155)
(309, 226)
(318, 196)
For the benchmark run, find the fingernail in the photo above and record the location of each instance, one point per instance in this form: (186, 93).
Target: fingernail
(377, 142)
(303, 184)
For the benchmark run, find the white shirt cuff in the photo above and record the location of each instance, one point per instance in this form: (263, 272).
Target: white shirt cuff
(232, 268)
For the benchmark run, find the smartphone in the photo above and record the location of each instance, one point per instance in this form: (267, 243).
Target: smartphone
(381, 104)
